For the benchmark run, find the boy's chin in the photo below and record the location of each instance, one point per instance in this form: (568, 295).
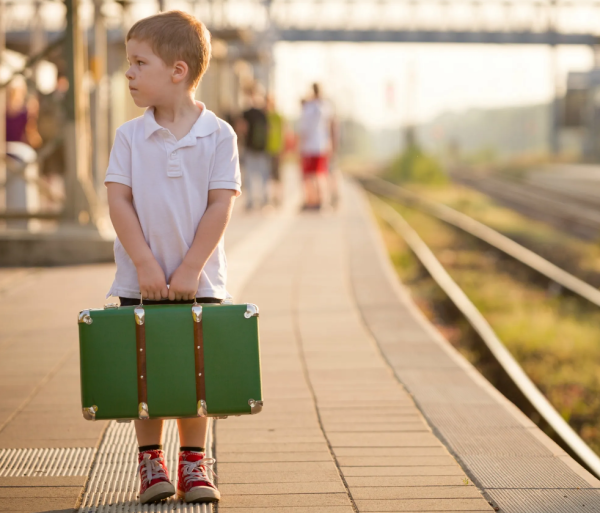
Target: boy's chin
(140, 102)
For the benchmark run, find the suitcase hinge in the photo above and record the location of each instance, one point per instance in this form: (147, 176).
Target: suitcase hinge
(251, 311)
(143, 413)
(89, 413)
(255, 406)
(202, 410)
(85, 317)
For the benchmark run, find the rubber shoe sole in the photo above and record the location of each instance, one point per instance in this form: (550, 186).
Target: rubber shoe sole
(200, 494)
(157, 492)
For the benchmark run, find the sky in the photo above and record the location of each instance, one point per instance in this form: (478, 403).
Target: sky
(388, 85)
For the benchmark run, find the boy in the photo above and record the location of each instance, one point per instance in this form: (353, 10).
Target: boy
(172, 180)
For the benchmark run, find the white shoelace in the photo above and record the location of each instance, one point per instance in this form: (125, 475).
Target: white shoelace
(196, 470)
(152, 467)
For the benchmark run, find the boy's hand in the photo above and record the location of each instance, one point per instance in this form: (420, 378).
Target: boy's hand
(184, 283)
(151, 278)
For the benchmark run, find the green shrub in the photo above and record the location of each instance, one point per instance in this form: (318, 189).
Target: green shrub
(416, 166)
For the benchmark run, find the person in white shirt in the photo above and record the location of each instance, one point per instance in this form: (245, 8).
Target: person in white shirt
(316, 144)
(172, 180)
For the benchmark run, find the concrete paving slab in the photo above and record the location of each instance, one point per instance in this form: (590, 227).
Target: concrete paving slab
(282, 488)
(390, 451)
(295, 476)
(271, 501)
(476, 504)
(395, 481)
(273, 457)
(38, 505)
(396, 461)
(448, 470)
(294, 509)
(415, 492)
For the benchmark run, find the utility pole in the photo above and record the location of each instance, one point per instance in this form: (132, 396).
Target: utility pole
(80, 202)
(2, 111)
(555, 117)
(100, 97)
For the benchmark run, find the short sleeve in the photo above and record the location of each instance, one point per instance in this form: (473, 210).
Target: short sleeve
(225, 173)
(119, 165)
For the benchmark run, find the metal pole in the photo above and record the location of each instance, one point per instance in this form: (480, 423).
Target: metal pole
(555, 117)
(100, 100)
(80, 202)
(2, 111)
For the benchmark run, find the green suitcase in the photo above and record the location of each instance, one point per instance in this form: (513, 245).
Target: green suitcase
(169, 361)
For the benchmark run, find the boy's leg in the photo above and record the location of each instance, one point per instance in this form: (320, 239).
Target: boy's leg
(193, 432)
(149, 432)
(265, 175)
(154, 478)
(195, 481)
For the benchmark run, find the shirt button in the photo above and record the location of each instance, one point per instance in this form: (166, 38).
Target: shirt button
(174, 155)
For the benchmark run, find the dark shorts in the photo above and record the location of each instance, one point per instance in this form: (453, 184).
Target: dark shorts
(315, 164)
(130, 301)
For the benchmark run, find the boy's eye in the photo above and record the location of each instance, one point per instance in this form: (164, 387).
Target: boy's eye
(140, 62)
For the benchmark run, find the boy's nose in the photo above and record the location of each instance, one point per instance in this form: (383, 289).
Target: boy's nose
(129, 74)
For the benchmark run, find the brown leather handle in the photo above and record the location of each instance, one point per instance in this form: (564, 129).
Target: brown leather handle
(142, 379)
(199, 360)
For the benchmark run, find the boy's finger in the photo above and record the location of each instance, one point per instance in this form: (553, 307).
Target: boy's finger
(164, 292)
(171, 295)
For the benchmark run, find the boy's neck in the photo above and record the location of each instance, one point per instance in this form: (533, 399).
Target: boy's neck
(176, 109)
(178, 115)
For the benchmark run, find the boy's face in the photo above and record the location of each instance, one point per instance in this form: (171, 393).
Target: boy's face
(150, 79)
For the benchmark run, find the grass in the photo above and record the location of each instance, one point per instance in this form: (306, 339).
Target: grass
(555, 338)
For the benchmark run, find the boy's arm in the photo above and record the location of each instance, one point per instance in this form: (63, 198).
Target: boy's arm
(151, 277)
(184, 281)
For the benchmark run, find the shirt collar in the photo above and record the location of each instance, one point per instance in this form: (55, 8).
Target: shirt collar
(205, 125)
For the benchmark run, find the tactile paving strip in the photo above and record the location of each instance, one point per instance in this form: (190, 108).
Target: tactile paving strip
(45, 462)
(114, 484)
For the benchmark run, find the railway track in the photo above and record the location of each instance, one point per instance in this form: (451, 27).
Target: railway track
(556, 202)
(381, 188)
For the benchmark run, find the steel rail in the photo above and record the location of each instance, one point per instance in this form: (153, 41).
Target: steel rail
(570, 438)
(486, 234)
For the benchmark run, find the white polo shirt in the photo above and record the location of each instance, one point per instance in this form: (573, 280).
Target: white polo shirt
(170, 180)
(315, 128)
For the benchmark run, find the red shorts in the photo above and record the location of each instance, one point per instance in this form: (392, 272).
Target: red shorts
(313, 164)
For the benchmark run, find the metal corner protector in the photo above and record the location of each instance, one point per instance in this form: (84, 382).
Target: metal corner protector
(255, 406)
(84, 317)
(251, 311)
(89, 412)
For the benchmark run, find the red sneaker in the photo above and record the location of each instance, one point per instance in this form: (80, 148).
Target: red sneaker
(155, 484)
(193, 483)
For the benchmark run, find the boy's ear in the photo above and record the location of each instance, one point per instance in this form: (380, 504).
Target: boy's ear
(180, 71)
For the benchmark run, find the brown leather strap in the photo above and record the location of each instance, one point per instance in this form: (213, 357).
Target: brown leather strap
(140, 338)
(199, 359)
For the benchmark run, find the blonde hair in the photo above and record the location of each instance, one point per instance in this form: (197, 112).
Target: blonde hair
(176, 36)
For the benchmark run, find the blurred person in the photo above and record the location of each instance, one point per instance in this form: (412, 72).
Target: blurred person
(172, 180)
(255, 161)
(22, 137)
(316, 127)
(275, 146)
(52, 164)
(22, 112)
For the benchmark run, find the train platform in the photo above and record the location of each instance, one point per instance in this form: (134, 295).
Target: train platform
(367, 407)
